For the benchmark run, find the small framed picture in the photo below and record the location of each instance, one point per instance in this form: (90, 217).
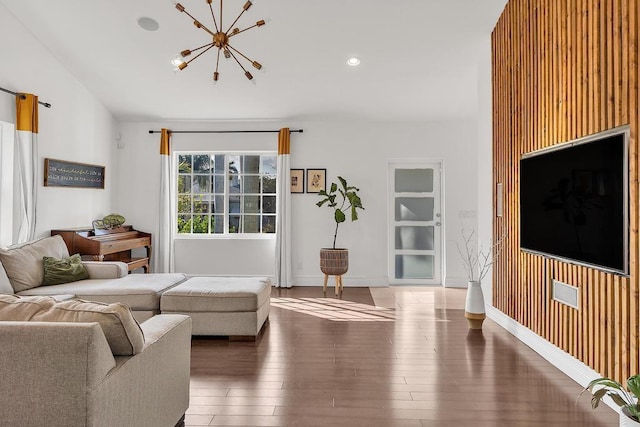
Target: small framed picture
(297, 181)
(316, 180)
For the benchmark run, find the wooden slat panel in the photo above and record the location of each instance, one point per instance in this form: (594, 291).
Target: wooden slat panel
(563, 70)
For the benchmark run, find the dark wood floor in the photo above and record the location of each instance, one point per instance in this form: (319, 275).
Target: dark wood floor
(425, 368)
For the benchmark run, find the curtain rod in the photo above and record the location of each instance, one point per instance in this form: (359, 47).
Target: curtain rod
(46, 104)
(228, 131)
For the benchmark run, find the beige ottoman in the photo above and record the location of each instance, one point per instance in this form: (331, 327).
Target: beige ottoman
(236, 307)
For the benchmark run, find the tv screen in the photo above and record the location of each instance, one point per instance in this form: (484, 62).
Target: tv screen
(574, 201)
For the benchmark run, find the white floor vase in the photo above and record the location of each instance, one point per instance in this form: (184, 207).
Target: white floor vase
(474, 309)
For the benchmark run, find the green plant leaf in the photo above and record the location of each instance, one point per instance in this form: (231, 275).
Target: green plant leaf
(343, 182)
(597, 397)
(633, 384)
(339, 216)
(334, 187)
(321, 202)
(604, 382)
(322, 192)
(617, 399)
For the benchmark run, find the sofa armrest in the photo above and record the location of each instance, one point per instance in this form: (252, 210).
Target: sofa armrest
(54, 364)
(106, 269)
(158, 377)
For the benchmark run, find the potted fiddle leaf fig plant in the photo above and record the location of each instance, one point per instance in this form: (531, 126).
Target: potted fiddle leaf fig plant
(626, 399)
(344, 202)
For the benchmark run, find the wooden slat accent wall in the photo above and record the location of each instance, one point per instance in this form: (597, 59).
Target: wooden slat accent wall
(563, 69)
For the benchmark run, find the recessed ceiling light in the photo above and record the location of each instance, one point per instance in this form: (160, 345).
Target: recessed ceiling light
(353, 61)
(148, 24)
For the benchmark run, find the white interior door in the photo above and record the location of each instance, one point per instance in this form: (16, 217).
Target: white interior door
(415, 223)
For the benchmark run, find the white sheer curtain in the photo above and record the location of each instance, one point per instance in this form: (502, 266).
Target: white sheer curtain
(283, 271)
(27, 164)
(163, 249)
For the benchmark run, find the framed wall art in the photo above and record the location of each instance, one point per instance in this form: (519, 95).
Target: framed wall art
(297, 181)
(61, 173)
(316, 180)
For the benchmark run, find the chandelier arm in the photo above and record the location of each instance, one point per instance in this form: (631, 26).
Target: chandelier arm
(234, 57)
(198, 55)
(234, 22)
(218, 59)
(200, 47)
(215, 23)
(239, 53)
(242, 31)
(221, 14)
(199, 23)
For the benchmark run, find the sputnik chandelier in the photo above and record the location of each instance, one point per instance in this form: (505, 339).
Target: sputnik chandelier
(220, 40)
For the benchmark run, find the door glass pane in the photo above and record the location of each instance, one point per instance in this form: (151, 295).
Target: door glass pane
(414, 208)
(414, 181)
(417, 238)
(414, 266)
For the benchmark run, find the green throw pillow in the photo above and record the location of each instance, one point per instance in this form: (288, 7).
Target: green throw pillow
(65, 270)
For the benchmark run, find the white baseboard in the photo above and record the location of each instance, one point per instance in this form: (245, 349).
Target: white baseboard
(347, 281)
(572, 367)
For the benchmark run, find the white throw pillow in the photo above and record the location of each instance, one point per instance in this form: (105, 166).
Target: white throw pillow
(24, 265)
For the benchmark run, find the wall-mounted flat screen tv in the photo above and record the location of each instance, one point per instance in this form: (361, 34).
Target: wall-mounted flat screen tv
(574, 201)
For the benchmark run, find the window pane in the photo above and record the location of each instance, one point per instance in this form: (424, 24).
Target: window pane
(234, 164)
(269, 224)
(269, 165)
(218, 204)
(269, 204)
(201, 184)
(184, 224)
(269, 184)
(200, 223)
(218, 163)
(218, 187)
(251, 224)
(234, 184)
(217, 224)
(251, 204)
(184, 204)
(234, 224)
(184, 163)
(251, 184)
(234, 204)
(184, 184)
(251, 164)
(201, 163)
(201, 206)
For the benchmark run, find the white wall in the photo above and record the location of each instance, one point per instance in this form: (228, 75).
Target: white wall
(485, 156)
(77, 128)
(359, 151)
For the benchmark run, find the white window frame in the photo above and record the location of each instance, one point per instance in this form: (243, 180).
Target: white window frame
(225, 212)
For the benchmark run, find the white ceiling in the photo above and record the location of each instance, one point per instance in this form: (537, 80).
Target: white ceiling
(418, 57)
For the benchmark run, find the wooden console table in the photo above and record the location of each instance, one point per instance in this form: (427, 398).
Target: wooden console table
(108, 245)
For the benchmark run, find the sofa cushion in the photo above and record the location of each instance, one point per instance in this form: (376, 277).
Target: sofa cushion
(122, 331)
(17, 308)
(64, 270)
(24, 265)
(5, 284)
(141, 292)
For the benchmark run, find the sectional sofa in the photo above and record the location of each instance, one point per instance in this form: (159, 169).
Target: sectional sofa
(69, 362)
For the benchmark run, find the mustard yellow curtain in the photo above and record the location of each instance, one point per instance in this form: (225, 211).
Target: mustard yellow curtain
(27, 164)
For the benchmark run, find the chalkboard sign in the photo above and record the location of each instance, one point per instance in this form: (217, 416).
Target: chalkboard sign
(59, 173)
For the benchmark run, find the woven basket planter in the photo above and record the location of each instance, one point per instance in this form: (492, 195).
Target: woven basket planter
(334, 262)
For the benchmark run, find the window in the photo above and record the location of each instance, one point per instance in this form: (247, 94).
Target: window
(226, 193)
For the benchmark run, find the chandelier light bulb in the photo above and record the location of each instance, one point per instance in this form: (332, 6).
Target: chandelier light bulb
(177, 61)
